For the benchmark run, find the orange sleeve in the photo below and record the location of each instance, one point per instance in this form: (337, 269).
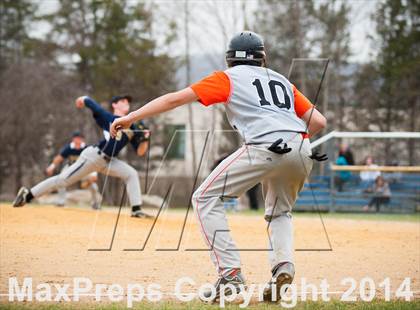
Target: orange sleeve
(302, 104)
(212, 89)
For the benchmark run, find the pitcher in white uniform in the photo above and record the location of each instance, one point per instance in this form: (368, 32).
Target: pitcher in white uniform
(275, 121)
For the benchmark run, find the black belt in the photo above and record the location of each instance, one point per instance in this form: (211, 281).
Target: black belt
(276, 148)
(103, 155)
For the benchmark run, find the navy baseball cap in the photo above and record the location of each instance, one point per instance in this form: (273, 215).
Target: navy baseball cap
(119, 97)
(76, 134)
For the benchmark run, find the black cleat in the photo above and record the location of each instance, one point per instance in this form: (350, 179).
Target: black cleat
(282, 275)
(20, 199)
(141, 214)
(236, 280)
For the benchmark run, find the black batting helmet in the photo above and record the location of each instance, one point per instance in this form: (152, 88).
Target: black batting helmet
(246, 48)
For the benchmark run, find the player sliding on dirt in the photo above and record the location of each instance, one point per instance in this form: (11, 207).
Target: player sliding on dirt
(100, 157)
(275, 121)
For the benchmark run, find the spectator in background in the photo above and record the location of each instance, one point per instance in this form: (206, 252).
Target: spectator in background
(368, 177)
(347, 153)
(393, 177)
(381, 194)
(343, 176)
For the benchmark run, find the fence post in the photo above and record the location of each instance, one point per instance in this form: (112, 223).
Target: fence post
(332, 190)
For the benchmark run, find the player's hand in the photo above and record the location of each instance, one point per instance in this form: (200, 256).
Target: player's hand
(318, 157)
(120, 123)
(80, 102)
(50, 170)
(146, 133)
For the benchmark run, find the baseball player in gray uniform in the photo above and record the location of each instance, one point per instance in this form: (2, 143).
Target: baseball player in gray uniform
(275, 121)
(101, 157)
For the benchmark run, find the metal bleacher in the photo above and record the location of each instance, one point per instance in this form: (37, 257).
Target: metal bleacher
(320, 195)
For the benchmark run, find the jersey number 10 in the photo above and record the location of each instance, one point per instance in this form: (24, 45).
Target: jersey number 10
(272, 84)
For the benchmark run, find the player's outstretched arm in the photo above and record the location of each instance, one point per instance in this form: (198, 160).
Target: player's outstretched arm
(314, 120)
(159, 105)
(86, 101)
(56, 161)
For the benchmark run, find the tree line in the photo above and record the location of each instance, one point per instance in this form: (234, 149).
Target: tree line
(100, 48)
(107, 47)
(381, 94)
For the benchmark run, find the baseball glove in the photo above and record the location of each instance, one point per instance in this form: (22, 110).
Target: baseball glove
(141, 133)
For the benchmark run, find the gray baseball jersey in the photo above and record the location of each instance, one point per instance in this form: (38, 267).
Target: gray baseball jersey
(261, 104)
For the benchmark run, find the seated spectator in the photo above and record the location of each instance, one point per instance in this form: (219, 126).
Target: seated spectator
(348, 154)
(343, 176)
(393, 177)
(381, 194)
(368, 177)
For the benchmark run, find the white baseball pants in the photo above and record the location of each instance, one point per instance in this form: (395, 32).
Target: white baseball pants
(90, 161)
(282, 177)
(93, 189)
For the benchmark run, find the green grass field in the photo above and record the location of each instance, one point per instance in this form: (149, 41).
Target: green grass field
(414, 217)
(333, 305)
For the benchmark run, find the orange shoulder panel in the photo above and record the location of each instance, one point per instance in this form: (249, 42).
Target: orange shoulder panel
(302, 104)
(214, 88)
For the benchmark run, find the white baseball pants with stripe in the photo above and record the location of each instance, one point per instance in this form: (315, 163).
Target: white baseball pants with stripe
(282, 177)
(88, 162)
(92, 187)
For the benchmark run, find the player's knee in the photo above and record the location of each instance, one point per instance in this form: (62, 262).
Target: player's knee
(196, 198)
(133, 173)
(200, 199)
(129, 174)
(60, 181)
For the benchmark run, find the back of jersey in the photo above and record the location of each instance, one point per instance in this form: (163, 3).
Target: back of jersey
(261, 104)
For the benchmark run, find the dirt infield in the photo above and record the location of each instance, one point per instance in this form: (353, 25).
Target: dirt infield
(52, 245)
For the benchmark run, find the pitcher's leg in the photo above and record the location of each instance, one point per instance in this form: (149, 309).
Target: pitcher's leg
(62, 191)
(120, 169)
(94, 192)
(92, 180)
(61, 199)
(46, 186)
(74, 173)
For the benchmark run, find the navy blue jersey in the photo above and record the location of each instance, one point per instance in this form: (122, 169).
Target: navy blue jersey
(71, 153)
(112, 146)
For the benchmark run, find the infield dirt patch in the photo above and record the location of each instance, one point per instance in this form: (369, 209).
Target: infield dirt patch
(52, 245)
